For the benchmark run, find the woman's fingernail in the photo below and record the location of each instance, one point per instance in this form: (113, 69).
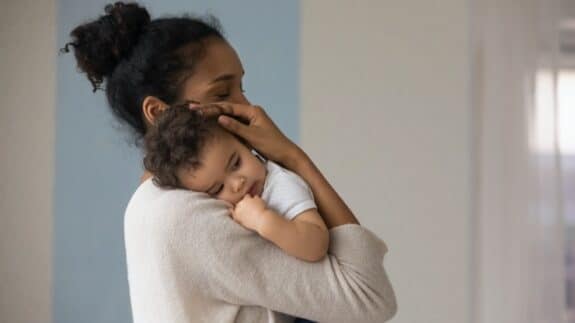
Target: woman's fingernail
(224, 120)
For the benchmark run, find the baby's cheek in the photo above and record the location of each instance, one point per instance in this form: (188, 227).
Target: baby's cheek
(230, 199)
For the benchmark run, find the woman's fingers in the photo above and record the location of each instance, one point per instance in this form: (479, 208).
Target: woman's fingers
(253, 124)
(234, 126)
(208, 110)
(222, 109)
(242, 111)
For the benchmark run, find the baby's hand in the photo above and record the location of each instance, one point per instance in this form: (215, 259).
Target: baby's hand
(249, 212)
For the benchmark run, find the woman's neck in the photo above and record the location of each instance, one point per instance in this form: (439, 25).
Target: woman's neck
(145, 176)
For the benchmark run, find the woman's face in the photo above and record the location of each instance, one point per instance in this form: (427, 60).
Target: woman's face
(217, 75)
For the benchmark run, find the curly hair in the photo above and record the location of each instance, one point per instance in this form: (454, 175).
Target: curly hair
(136, 56)
(176, 140)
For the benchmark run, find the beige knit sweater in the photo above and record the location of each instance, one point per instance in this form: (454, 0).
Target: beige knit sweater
(188, 261)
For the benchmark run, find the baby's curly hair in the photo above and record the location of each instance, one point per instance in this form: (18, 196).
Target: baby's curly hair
(176, 140)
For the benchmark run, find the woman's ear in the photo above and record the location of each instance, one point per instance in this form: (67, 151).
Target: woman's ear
(152, 107)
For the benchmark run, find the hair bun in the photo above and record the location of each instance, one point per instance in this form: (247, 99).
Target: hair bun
(101, 44)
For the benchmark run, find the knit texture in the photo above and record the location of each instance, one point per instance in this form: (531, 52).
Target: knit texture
(188, 261)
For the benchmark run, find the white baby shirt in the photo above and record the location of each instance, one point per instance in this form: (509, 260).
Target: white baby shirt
(285, 192)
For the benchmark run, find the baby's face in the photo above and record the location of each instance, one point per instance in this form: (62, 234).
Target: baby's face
(228, 170)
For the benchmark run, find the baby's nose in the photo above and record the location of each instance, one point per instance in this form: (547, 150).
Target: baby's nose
(239, 184)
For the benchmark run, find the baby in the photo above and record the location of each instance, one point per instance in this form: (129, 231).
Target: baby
(188, 151)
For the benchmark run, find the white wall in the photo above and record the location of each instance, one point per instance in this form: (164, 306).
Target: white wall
(385, 113)
(27, 88)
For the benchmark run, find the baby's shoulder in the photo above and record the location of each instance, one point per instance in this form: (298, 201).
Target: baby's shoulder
(275, 170)
(279, 176)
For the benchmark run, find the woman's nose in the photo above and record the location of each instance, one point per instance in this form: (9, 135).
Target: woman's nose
(240, 98)
(239, 183)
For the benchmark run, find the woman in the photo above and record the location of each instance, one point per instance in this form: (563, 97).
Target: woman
(188, 261)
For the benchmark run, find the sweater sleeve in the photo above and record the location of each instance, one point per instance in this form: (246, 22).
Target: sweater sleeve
(232, 264)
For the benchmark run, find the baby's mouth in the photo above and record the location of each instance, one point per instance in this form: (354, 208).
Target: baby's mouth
(254, 190)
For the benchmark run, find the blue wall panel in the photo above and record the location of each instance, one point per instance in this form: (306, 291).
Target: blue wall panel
(97, 170)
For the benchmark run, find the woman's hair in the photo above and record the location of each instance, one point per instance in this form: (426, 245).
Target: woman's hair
(139, 57)
(176, 140)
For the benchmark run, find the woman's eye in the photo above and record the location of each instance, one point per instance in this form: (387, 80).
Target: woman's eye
(223, 96)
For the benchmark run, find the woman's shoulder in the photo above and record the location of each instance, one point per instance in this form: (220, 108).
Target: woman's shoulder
(151, 202)
(149, 195)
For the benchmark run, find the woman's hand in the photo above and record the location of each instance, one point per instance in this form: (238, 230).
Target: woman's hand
(256, 128)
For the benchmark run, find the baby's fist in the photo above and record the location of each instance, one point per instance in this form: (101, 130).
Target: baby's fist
(249, 212)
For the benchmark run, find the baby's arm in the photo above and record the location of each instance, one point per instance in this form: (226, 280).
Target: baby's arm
(306, 237)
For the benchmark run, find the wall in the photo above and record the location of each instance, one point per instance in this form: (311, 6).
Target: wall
(383, 96)
(27, 89)
(385, 113)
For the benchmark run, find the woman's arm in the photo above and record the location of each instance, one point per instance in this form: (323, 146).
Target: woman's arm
(260, 131)
(330, 205)
(224, 261)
